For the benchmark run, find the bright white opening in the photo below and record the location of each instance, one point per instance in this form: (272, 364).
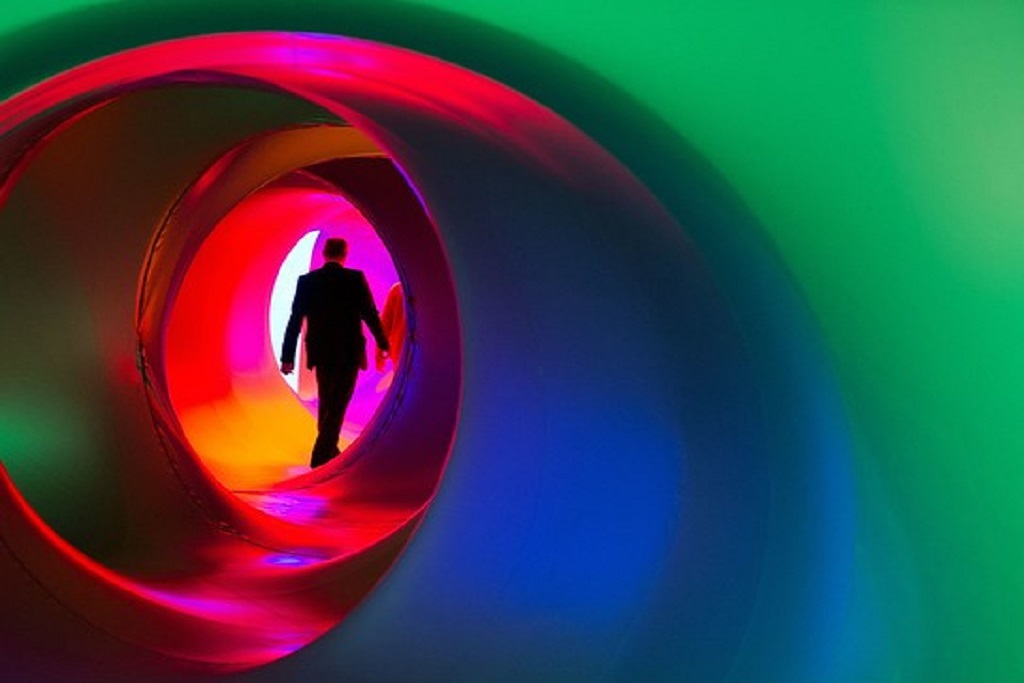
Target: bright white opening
(296, 263)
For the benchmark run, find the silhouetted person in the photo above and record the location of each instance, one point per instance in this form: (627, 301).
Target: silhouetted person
(334, 301)
(392, 318)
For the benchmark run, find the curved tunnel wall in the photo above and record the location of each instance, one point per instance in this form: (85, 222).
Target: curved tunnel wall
(895, 405)
(666, 455)
(91, 191)
(190, 575)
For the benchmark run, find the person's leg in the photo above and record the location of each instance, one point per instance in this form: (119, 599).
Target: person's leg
(334, 389)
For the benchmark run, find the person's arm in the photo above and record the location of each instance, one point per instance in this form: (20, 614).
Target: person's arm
(368, 312)
(291, 332)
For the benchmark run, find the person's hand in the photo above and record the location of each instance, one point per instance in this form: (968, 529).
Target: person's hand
(287, 368)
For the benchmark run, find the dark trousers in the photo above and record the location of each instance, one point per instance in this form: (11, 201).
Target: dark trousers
(334, 386)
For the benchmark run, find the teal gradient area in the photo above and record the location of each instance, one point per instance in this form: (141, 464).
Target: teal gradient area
(877, 152)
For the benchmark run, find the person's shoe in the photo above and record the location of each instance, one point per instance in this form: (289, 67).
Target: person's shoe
(316, 461)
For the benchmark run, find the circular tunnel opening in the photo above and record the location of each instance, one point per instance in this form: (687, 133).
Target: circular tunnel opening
(162, 217)
(563, 265)
(249, 424)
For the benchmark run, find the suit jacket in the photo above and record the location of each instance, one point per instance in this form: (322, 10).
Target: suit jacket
(334, 301)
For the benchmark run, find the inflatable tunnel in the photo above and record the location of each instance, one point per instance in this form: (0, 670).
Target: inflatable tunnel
(709, 371)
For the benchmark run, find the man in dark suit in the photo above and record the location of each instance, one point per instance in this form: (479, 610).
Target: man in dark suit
(334, 301)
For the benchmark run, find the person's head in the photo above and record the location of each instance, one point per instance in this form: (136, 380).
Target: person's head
(335, 249)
